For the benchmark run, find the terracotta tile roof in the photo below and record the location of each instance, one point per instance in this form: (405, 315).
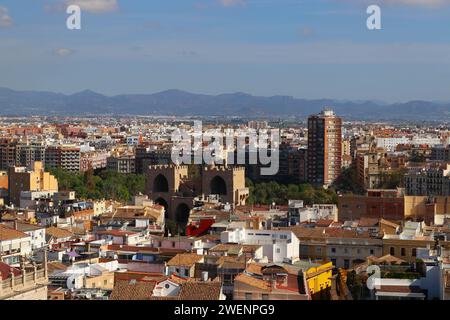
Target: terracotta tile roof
(200, 290)
(177, 279)
(235, 248)
(9, 234)
(385, 259)
(132, 290)
(250, 248)
(253, 282)
(324, 222)
(76, 230)
(55, 266)
(185, 259)
(83, 213)
(210, 237)
(321, 232)
(119, 247)
(117, 233)
(228, 262)
(153, 212)
(23, 226)
(255, 268)
(5, 270)
(196, 290)
(58, 232)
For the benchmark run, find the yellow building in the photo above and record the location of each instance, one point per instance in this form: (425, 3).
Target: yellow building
(405, 249)
(104, 281)
(32, 178)
(319, 278)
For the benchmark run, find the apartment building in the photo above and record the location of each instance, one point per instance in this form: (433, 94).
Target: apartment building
(344, 248)
(36, 233)
(32, 178)
(14, 245)
(8, 156)
(29, 152)
(66, 158)
(440, 153)
(324, 156)
(122, 164)
(406, 244)
(434, 180)
(93, 160)
(278, 245)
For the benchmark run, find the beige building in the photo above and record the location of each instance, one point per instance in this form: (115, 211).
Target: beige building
(428, 209)
(175, 189)
(26, 282)
(33, 178)
(405, 249)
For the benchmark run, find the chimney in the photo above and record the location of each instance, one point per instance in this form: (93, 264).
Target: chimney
(15, 224)
(204, 276)
(45, 264)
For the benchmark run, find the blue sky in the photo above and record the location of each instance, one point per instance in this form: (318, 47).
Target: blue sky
(303, 48)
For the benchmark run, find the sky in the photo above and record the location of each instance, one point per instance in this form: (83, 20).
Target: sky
(302, 48)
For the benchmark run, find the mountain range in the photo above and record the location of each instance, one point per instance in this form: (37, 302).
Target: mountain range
(182, 103)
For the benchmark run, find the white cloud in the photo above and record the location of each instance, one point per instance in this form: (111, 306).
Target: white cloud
(232, 3)
(95, 6)
(63, 52)
(5, 19)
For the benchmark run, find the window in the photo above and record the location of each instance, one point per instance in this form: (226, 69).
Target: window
(333, 250)
(346, 264)
(186, 272)
(392, 251)
(414, 252)
(264, 296)
(248, 296)
(372, 251)
(278, 250)
(403, 252)
(318, 250)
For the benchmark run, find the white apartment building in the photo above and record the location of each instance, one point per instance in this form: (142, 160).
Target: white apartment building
(13, 245)
(390, 143)
(278, 245)
(36, 232)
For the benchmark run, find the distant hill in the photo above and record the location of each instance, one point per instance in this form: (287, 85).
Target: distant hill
(181, 103)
